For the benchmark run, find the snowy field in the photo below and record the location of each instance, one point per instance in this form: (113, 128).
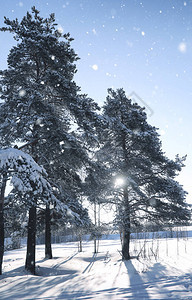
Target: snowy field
(163, 271)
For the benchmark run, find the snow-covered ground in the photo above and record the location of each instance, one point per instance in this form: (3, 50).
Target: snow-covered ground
(164, 273)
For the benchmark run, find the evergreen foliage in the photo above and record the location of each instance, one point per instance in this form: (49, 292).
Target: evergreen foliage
(41, 103)
(132, 150)
(82, 153)
(41, 106)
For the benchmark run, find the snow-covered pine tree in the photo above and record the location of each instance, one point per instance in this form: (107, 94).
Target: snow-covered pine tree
(132, 151)
(27, 97)
(30, 188)
(41, 101)
(28, 180)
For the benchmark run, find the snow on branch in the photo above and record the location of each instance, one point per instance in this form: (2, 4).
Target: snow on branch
(12, 158)
(28, 177)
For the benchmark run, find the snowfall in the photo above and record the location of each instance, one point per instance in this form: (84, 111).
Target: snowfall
(159, 269)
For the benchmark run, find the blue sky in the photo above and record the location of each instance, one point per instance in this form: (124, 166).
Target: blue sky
(142, 46)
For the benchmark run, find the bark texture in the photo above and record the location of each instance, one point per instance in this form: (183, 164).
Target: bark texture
(2, 198)
(48, 249)
(31, 241)
(126, 227)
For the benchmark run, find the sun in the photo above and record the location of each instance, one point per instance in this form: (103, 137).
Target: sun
(119, 181)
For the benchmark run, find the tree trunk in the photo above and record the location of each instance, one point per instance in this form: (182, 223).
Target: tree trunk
(125, 245)
(48, 250)
(95, 245)
(1, 237)
(31, 241)
(2, 198)
(80, 242)
(95, 237)
(126, 228)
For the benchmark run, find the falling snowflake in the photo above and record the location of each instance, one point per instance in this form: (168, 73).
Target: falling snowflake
(22, 93)
(94, 31)
(142, 33)
(95, 67)
(60, 29)
(182, 47)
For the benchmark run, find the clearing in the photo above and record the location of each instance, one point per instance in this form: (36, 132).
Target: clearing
(167, 274)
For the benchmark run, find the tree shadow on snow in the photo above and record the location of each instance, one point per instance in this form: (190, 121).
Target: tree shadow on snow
(54, 258)
(46, 271)
(32, 287)
(91, 261)
(19, 271)
(56, 268)
(169, 284)
(137, 286)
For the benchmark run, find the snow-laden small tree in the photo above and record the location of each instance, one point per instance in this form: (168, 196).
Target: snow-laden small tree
(31, 189)
(144, 185)
(28, 179)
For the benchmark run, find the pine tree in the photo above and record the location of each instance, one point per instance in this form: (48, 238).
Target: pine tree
(41, 103)
(132, 151)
